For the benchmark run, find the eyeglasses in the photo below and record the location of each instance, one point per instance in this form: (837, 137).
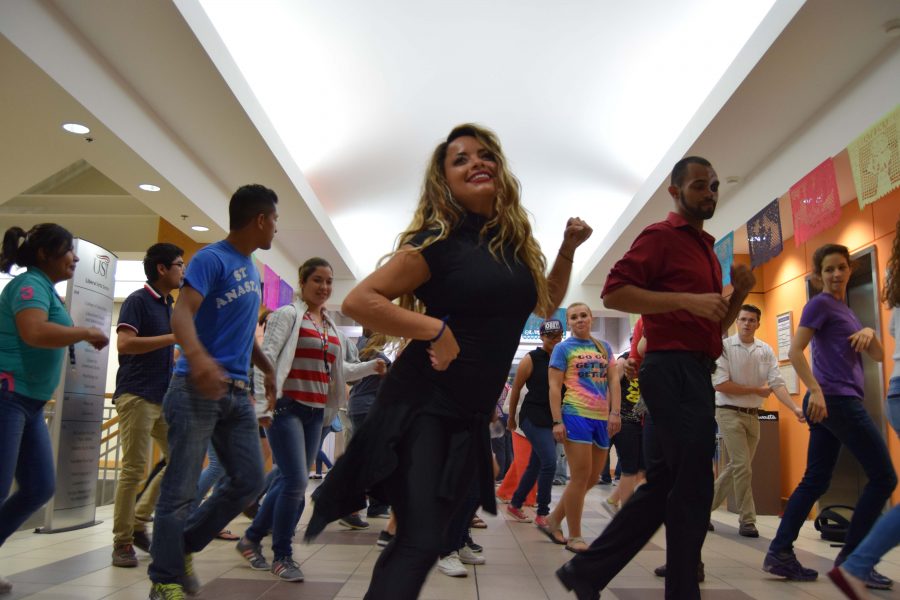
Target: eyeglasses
(180, 265)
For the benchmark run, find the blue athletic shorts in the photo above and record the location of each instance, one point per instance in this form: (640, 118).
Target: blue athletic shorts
(583, 430)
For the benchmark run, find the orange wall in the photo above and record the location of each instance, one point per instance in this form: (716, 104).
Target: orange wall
(171, 234)
(784, 289)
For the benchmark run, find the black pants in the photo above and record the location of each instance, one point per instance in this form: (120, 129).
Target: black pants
(376, 507)
(422, 516)
(680, 444)
(458, 528)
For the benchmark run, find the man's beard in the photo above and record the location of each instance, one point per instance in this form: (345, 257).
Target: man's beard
(697, 212)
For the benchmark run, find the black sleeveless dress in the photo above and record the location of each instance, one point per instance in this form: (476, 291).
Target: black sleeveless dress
(486, 302)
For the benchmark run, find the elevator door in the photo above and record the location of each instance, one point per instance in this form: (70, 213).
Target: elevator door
(862, 297)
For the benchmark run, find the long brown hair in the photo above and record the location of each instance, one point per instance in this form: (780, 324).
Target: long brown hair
(378, 342)
(892, 284)
(438, 211)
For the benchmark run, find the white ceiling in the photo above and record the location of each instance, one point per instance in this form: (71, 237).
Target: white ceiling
(337, 105)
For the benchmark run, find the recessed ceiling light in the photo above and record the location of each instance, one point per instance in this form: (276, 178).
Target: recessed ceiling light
(76, 128)
(149, 187)
(199, 228)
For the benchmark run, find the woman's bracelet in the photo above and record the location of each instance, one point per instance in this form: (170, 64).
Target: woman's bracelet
(441, 332)
(571, 259)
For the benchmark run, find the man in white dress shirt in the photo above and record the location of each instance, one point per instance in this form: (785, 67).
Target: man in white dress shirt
(746, 373)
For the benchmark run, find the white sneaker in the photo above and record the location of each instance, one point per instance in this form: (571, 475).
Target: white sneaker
(467, 557)
(451, 566)
(5, 585)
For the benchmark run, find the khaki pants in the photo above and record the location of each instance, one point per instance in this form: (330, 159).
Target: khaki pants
(139, 421)
(740, 432)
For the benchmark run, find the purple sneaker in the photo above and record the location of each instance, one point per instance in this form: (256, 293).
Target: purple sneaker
(785, 564)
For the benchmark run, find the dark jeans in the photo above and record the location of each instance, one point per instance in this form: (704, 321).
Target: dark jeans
(502, 448)
(541, 467)
(27, 456)
(678, 391)
(294, 438)
(193, 421)
(376, 507)
(211, 475)
(849, 424)
(422, 515)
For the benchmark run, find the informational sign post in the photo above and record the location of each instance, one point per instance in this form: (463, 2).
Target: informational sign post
(784, 326)
(75, 426)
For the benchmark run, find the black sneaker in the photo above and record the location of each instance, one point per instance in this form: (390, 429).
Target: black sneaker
(379, 513)
(353, 521)
(701, 572)
(141, 541)
(785, 564)
(583, 589)
(384, 538)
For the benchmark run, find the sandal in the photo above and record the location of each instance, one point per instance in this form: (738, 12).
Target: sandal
(554, 533)
(576, 545)
(478, 523)
(225, 534)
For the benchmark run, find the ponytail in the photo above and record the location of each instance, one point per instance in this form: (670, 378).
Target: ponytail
(11, 241)
(21, 248)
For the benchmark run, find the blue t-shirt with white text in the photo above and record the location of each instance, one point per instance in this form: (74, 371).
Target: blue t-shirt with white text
(226, 319)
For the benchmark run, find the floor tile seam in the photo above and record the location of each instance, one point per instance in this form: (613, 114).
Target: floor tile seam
(507, 524)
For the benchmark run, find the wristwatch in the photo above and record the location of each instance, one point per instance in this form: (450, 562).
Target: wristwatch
(615, 413)
(557, 422)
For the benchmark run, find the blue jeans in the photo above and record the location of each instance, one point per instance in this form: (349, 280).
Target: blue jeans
(562, 467)
(541, 467)
(294, 439)
(321, 457)
(230, 423)
(211, 475)
(26, 454)
(886, 532)
(850, 425)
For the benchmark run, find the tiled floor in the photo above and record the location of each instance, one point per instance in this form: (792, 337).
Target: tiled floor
(520, 564)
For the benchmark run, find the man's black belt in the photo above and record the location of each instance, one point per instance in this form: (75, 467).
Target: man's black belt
(740, 409)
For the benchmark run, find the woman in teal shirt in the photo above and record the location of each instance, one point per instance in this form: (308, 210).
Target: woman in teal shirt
(35, 330)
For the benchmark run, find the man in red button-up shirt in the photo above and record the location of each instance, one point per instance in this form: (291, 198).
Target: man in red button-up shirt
(672, 277)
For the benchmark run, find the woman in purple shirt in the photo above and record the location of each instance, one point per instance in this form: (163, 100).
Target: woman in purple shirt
(836, 416)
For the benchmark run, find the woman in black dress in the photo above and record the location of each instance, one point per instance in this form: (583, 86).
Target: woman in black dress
(471, 264)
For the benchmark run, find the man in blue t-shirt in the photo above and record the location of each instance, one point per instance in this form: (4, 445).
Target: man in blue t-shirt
(214, 322)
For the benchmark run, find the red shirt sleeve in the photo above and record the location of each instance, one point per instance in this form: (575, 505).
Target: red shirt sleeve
(640, 264)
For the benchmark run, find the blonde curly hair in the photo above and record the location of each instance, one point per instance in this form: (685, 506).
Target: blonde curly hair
(438, 211)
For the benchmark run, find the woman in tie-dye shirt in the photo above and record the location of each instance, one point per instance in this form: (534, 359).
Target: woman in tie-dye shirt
(585, 418)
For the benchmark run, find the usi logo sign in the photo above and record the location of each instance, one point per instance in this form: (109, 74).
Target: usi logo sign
(101, 265)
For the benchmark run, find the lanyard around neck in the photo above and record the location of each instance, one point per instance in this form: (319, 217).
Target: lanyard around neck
(323, 336)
